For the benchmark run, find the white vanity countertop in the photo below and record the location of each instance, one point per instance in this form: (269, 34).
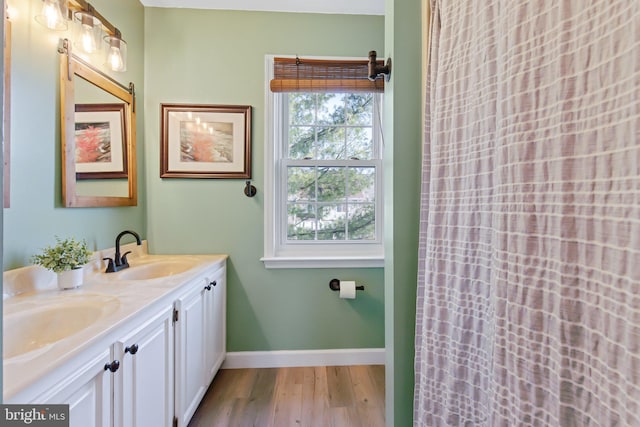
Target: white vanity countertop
(124, 300)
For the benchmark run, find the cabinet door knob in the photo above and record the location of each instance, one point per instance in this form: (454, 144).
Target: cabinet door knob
(113, 366)
(213, 283)
(133, 349)
(208, 287)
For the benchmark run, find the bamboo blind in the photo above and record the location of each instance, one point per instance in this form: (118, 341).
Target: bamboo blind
(317, 75)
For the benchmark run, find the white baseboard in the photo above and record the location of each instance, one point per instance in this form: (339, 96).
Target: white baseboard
(295, 358)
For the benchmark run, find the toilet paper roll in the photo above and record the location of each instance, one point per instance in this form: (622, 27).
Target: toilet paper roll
(347, 289)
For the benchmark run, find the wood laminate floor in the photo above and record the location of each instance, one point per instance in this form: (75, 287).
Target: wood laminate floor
(327, 396)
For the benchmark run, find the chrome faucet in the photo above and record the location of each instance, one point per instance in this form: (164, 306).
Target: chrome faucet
(120, 262)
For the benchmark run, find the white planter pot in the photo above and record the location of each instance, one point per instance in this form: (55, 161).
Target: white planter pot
(70, 279)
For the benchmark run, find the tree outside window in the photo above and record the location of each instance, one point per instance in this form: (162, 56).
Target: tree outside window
(331, 167)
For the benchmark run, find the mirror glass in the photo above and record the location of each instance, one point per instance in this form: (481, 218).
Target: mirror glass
(98, 137)
(6, 116)
(101, 169)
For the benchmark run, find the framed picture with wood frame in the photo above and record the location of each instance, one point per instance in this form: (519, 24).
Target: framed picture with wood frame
(101, 141)
(205, 141)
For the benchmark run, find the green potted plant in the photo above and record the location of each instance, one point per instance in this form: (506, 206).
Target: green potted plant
(66, 258)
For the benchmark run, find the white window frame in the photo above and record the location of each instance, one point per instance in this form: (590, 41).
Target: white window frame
(320, 254)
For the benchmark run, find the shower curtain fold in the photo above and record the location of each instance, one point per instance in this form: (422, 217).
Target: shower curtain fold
(528, 308)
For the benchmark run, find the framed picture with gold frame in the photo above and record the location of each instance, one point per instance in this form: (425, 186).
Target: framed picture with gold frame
(205, 141)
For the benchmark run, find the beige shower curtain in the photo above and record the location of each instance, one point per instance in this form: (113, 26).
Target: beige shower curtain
(529, 284)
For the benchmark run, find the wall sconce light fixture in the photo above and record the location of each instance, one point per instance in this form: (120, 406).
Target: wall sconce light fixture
(54, 14)
(116, 51)
(88, 31)
(90, 26)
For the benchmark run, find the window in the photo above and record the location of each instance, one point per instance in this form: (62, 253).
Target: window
(323, 170)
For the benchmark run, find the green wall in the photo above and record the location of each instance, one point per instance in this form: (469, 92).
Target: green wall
(403, 117)
(36, 213)
(217, 57)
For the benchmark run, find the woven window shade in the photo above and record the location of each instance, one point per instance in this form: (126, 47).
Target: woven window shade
(316, 75)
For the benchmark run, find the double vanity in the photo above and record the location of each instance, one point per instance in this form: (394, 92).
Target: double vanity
(138, 347)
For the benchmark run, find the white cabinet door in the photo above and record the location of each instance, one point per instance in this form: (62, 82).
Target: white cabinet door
(189, 351)
(87, 392)
(143, 393)
(215, 324)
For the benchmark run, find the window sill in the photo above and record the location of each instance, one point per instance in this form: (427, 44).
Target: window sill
(323, 262)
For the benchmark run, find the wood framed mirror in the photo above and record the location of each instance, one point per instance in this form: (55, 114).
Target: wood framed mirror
(98, 136)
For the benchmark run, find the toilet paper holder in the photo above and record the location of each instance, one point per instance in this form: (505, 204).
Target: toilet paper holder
(334, 285)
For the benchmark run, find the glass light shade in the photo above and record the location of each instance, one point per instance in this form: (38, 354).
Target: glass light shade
(116, 53)
(54, 14)
(88, 30)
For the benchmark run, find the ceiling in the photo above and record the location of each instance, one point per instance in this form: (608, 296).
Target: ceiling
(351, 7)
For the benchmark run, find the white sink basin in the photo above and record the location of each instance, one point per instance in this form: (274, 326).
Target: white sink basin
(49, 321)
(156, 270)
